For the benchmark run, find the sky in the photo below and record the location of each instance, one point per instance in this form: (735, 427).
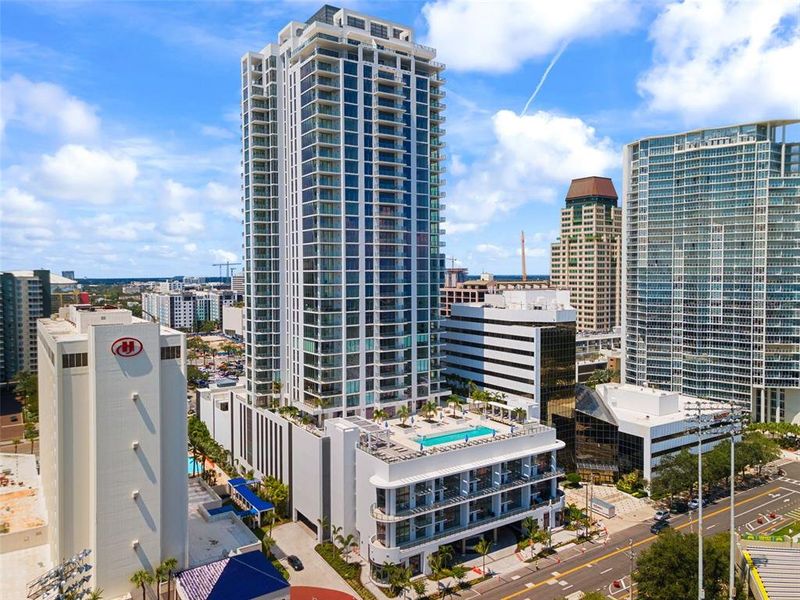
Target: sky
(119, 121)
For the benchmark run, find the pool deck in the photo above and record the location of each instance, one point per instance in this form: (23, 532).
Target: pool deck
(444, 423)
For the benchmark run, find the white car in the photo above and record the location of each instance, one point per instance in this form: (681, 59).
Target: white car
(662, 515)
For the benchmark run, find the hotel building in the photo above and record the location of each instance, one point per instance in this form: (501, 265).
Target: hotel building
(587, 258)
(711, 306)
(112, 404)
(342, 155)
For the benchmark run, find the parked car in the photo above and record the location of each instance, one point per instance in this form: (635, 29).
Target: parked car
(679, 507)
(658, 527)
(661, 515)
(693, 504)
(295, 562)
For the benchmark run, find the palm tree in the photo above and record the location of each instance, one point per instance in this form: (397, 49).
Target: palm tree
(429, 409)
(454, 402)
(161, 575)
(419, 587)
(483, 547)
(170, 564)
(267, 542)
(518, 413)
(403, 412)
(96, 594)
(16, 442)
(530, 525)
(458, 572)
(380, 415)
(400, 579)
(324, 525)
(435, 564)
(345, 544)
(446, 553)
(142, 579)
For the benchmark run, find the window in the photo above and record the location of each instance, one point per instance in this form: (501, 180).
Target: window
(80, 359)
(169, 352)
(379, 30)
(356, 22)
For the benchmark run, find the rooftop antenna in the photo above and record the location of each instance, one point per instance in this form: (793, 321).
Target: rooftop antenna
(524, 271)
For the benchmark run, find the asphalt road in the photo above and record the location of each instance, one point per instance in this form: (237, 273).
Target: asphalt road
(600, 565)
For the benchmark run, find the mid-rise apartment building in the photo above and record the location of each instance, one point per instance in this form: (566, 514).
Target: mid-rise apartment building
(711, 305)
(401, 486)
(342, 155)
(521, 344)
(112, 404)
(24, 297)
(587, 257)
(171, 309)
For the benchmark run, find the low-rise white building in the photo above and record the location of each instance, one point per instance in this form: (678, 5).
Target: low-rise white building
(112, 404)
(621, 428)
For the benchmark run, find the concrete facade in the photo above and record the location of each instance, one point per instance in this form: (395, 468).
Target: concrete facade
(112, 392)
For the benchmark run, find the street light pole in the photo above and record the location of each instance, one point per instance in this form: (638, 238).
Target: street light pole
(701, 593)
(735, 420)
(630, 569)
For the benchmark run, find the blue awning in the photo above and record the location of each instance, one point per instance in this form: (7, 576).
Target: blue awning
(242, 487)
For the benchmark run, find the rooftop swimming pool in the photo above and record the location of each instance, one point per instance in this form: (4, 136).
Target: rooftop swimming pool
(454, 436)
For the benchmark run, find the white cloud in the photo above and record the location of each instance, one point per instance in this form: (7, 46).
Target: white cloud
(492, 250)
(44, 108)
(499, 36)
(725, 60)
(184, 224)
(93, 176)
(224, 199)
(531, 159)
(222, 256)
(218, 132)
(192, 247)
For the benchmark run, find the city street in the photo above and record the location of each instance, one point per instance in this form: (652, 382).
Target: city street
(601, 565)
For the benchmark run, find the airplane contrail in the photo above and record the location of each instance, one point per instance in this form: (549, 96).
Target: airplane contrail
(544, 76)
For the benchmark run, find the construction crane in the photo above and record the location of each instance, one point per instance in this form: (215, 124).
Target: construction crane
(227, 264)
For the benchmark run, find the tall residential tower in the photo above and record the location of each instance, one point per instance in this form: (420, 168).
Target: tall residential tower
(586, 259)
(712, 265)
(342, 157)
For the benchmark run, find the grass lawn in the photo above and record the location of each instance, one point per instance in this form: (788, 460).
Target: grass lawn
(795, 527)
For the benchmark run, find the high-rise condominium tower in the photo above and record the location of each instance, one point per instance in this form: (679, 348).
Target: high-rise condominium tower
(586, 259)
(712, 264)
(342, 157)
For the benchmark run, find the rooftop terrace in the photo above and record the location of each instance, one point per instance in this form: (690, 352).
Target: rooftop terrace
(393, 440)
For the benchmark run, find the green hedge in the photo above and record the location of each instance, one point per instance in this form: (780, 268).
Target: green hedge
(350, 572)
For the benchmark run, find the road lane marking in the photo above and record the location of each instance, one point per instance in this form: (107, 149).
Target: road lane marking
(612, 568)
(636, 544)
(710, 527)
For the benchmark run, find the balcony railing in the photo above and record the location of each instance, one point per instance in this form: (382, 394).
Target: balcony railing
(379, 515)
(474, 524)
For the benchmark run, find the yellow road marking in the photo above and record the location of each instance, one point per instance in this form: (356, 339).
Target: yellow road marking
(626, 548)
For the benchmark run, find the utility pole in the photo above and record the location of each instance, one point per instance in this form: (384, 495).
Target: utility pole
(701, 593)
(735, 423)
(630, 569)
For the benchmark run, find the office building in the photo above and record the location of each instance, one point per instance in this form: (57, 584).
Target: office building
(587, 257)
(620, 428)
(521, 344)
(112, 404)
(711, 303)
(68, 274)
(24, 297)
(342, 157)
(233, 321)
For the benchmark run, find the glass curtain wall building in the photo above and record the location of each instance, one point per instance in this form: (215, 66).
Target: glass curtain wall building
(712, 266)
(342, 187)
